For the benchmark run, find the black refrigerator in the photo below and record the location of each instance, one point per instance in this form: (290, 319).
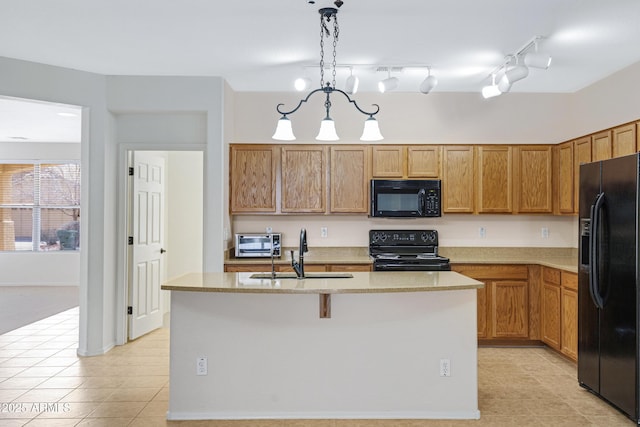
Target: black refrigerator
(608, 277)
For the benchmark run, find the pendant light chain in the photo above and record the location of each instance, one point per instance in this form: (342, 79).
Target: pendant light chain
(336, 32)
(324, 32)
(323, 29)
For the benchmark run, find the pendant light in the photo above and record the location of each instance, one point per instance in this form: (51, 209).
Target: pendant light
(284, 130)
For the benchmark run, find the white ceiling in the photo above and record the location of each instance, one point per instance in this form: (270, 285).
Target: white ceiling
(258, 45)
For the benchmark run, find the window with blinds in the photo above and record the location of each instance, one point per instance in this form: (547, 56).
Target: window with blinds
(39, 206)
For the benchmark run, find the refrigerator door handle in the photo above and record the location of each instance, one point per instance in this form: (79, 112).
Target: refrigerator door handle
(594, 252)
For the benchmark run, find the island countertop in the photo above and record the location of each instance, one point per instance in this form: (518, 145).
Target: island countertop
(361, 282)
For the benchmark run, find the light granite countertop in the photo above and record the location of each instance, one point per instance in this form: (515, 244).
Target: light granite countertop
(361, 282)
(560, 258)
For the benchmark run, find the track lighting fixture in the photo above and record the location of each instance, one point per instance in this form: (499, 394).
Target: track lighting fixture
(428, 83)
(390, 83)
(371, 132)
(351, 86)
(491, 90)
(508, 73)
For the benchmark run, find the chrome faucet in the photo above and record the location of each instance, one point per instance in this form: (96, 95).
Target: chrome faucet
(298, 267)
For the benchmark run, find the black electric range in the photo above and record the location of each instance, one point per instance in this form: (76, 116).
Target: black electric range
(406, 250)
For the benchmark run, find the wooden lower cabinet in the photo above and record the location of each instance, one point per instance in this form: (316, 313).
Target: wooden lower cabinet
(504, 303)
(509, 309)
(569, 307)
(550, 307)
(560, 311)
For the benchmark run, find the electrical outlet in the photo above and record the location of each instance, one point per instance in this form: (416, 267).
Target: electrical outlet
(445, 368)
(269, 230)
(544, 232)
(482, 232)
(201, 366)
(324, 231)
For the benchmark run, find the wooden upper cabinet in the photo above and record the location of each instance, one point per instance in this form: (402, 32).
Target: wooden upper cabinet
(601, 146)
(399, 161)
(304, 179)
(533, 179)
(252, 178)
(457, 179)
(349, 181)
(388, 161)
(423, 161)
(582, 155)
(493, 179)
(566, 175)
(624, 140)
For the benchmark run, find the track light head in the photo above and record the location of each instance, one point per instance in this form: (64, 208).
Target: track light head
(351, 87)
(428, 84)
(537, 60)
(388, 84)
(302, 83)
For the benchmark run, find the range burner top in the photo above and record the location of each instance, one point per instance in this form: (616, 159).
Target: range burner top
(406, 250)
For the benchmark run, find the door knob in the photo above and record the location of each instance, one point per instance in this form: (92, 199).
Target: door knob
(162, 250)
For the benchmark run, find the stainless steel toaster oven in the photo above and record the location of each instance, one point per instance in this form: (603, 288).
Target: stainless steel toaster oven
(256, 245)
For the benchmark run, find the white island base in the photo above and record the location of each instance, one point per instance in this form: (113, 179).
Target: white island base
(271, 356)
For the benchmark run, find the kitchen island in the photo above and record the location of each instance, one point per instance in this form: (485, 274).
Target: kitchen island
(376, 345)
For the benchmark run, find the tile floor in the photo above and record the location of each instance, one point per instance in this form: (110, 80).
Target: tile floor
(44, 383)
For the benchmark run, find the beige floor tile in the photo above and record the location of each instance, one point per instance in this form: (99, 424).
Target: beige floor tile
(564, 420)
(14, 423)
(37, 371)
(43, 395)
(155, 409)
(10, 372)
(147, 381)
(89, 395)
(21, 362)
(7, 395)
(133, 394)
(103, 382)
(58, 361)
(612, 420)
(49, 422)
(62, 382)
(21, 382)
(163, 395)
(117, 410)
(549, 407)
(309, 423)
(152, 422)
(105, 422)
(39, 353)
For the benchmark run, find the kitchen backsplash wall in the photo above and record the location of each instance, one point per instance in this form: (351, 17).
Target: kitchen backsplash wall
(454, 230)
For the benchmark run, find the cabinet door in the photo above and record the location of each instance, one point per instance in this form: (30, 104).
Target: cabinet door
(457, 179)
(570, 315)
(509, 309)
(601, 146)
(349, 267)
(253, 178)
(550, 307)
(565, 178)
(482, 312)
(304, 179)
(570, 323)
(388, 161)
(532, 179)
(493, 179)
(624, 140)
(582, 154)
(349, 183)
(423, 161)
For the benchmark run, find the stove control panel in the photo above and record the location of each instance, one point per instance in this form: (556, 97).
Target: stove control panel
(403, 237)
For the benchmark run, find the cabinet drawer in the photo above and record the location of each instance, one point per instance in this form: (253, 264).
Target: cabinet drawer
(551, 275)
(492, 271)
(569, 280)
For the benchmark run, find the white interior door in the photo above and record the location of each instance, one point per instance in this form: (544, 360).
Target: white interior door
(145, 272)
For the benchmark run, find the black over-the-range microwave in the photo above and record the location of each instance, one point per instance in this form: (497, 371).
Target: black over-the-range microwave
(405, 198)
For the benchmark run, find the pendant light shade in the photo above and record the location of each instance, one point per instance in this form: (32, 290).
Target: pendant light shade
(284, 132)
(371, 131)
(327, 130)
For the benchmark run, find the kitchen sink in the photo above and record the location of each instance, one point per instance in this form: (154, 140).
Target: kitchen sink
(306, 276)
